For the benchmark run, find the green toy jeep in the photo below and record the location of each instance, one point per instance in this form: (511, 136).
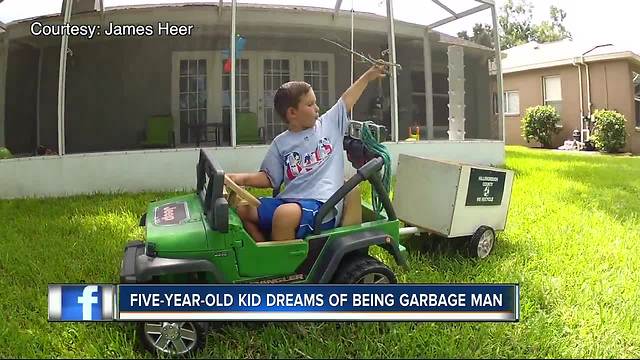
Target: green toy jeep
(199, 238)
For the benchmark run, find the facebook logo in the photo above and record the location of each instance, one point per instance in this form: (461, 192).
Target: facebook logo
(80, 302)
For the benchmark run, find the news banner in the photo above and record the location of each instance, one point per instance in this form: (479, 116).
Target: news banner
(291, 302)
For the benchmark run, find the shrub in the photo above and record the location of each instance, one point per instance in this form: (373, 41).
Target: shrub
(5, 153)
(609, 131)
(539, 124)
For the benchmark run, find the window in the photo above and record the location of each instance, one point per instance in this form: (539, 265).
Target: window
(552, 92)
(193, 97)
(418, 101)
(440, 86)
(316, 73)
(511, 103)
(275, 72)
(636, 95)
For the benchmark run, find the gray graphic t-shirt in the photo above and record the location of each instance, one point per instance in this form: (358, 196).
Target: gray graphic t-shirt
(310, 162)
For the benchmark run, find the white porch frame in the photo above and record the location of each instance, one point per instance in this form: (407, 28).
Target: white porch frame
(484, 4)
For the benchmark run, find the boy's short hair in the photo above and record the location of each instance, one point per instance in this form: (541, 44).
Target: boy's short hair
(288, 95)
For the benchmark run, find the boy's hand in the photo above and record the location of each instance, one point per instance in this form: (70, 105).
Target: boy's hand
(236, 178)
(353, 93)
(257, 179)
(376, 72)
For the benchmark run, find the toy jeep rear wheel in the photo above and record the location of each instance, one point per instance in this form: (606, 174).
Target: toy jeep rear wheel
(363, 269)
(173, 338)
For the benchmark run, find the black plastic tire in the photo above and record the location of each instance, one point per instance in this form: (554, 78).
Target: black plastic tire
(193, 337)
(363, 269)
(487, 236)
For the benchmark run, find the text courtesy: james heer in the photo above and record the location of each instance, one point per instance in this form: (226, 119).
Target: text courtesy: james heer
(90, 31)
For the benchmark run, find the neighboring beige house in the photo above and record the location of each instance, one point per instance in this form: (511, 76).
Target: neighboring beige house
(558, 74)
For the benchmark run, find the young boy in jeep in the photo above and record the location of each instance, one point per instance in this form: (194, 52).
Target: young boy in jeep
(308, 158)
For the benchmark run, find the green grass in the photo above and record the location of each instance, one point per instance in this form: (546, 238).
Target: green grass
(572, 243)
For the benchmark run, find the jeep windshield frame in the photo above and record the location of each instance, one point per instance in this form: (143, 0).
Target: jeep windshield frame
(209, 186)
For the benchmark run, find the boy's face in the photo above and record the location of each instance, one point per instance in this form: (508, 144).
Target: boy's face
(306, 114)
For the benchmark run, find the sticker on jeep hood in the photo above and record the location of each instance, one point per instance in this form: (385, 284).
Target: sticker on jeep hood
(171, 214)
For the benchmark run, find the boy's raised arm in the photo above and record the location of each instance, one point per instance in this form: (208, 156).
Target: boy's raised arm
(353, 93)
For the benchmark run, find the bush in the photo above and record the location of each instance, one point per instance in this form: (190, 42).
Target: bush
(539, 124)
(609, 130)
(5, 153)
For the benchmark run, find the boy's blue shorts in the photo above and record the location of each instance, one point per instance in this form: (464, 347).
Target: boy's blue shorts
(309, 207)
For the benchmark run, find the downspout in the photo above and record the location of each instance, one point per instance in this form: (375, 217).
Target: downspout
(589, 105)
(589, 82)
(581, 99)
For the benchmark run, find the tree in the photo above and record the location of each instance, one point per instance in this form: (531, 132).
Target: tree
(516, 26)
(553, 30)
(482, 34)
(515, 22)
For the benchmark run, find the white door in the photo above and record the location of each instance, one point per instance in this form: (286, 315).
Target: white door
(275, 70)
(245, 90)
(192, 93)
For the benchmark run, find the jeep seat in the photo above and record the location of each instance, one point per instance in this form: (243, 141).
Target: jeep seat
(352, 208)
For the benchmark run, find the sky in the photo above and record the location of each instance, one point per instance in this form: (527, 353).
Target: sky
(589, 21)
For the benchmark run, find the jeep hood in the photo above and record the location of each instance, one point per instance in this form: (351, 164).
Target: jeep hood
(175, 224)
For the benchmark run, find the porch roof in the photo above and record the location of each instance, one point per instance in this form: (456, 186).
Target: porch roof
(433, 13)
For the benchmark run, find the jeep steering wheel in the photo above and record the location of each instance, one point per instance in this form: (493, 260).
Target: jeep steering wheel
(234, 189)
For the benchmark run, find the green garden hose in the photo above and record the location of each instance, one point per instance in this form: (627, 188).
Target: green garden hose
(372, 144)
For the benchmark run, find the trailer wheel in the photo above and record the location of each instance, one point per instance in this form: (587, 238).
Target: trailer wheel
(481, 242)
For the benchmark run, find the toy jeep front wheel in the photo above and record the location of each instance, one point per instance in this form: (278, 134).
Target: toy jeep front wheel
(363, 269)
(173, 338)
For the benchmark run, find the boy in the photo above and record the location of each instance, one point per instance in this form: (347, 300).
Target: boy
(308, 157)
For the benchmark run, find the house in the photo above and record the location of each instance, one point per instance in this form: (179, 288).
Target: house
(163, 71)
(575, 78)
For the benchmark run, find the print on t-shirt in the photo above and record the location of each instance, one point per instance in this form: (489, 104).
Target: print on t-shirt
(297, 166)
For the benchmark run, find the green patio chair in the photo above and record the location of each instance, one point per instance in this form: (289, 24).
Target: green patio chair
(247, 131)
(159, 132)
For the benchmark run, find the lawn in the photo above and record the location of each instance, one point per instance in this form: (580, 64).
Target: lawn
(572, 243)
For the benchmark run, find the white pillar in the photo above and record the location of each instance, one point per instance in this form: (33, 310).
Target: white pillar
(496, 42)
(62, 76)
(4, 54)
(393, 83)
(456, 92)
(428, 84)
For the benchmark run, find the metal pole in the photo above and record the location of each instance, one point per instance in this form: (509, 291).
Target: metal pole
(496, 41)
(39, 85)
(352, 41)
(232, 86)
(351, 110)
(4, 64)
(62, 75)
(428, 84)
(393, 83)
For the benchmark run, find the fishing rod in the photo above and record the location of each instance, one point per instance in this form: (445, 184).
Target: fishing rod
(364, 57)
